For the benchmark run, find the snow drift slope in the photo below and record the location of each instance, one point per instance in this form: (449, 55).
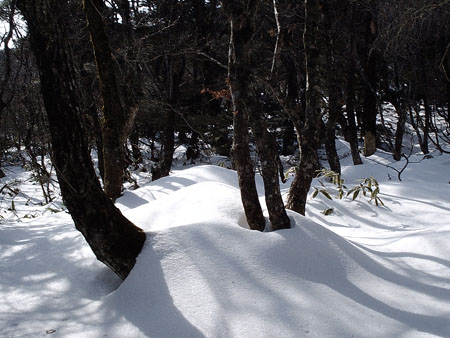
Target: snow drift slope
(202, 274)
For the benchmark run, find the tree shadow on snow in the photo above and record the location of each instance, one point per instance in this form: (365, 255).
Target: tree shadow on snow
(332, 247)
(144, 301)
(313, 254)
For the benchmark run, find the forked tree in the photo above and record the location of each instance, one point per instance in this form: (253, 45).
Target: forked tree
(243, 18)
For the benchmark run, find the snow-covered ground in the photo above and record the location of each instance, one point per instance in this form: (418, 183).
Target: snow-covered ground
(363, 271)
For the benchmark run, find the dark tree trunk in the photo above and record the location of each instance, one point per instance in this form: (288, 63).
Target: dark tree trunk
(352, 131)
(312, 40)
(334, 95)
(245, 97)
(415, 121)
(244, 166)
(426, 124)
(330, 140)
(114, 116)
(447, 84)
(136, 152)
(113, 238)
(6, 62)
(174, 73)
(268, 155)
(168, 145)
(288, 138)
(398, 99)
(399, 132)
(239, 74)
(370, 89)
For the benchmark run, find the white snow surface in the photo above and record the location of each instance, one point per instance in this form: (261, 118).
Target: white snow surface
(363, 271)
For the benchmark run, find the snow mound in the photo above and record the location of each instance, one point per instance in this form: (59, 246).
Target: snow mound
(203, 202)
(183, 178)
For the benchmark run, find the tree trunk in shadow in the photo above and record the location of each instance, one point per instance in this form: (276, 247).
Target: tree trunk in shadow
(399, 132)
(241, 30)
(312, 40)
(370, 89)
(114, 116)
(175, 68)
(268, 156)
(246, 174)
(245, 96)
(114, 239)
(334, 98)
(352, 131)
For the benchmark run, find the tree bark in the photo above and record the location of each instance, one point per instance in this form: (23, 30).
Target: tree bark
(246, 174)
(446, 67)
(113, 238)
(334, 95)
(352, 130)
(312, 39)
(370, 89)
(245, 95)
(238, 81)
(268, 155)
(399, 132)
(114, 116)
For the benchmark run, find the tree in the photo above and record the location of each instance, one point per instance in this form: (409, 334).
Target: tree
(241, 22)
(116, 122)
(245, 95)
(309, 135)
(370, 64)
(114, 239)
(348, 122)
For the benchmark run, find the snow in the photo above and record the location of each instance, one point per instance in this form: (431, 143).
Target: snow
(363, 271)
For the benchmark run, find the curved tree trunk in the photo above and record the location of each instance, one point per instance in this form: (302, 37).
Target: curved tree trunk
(113, 238)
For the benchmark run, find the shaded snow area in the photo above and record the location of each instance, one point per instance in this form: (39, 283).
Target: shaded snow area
(363, 271)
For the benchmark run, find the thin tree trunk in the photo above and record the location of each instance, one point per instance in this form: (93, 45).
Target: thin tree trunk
(350, 104)
(447, 84)
(113, 238)
(398, 100)
(426, 125)
(174, 72)
(334, 98)
(312, 39)
(115, 118)
(168, 145)
(136, 152)
(330, 133)
(399, 132)
(370, 90)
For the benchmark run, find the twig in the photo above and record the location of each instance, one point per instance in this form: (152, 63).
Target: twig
(275, 51)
